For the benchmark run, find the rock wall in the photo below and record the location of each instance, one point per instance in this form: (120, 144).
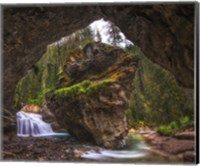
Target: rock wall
(165, 34)
(92, 104)
(27, 32)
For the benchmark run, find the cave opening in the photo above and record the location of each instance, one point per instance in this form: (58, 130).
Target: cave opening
(150, 80)
(58, 52)
(95, 83)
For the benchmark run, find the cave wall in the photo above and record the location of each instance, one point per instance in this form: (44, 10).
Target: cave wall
(165, 33)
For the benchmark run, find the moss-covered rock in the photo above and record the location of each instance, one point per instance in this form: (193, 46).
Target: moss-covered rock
(84, 87)
(91, 103)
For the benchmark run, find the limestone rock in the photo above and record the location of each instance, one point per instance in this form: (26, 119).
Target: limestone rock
(92, 106)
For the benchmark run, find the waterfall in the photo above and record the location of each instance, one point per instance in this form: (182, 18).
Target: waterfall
(31, 124)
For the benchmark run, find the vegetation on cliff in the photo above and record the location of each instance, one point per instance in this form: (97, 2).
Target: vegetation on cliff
(158, 100)
(47, 72)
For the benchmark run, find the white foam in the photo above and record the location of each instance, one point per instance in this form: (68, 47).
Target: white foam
(31, 124)
(117, 154)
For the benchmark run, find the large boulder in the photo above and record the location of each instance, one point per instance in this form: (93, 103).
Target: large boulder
(91, 106)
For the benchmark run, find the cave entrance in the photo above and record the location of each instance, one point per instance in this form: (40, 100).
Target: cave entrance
(47, 72)
(151, 80)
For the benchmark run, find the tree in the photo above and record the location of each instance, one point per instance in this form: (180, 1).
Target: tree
(98, 36)
(114, 33)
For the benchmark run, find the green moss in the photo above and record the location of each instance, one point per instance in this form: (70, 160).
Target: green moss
(38, 100)
(133, 52)
(84, 87)
(109, 48)
(130, 55)
(174, 126)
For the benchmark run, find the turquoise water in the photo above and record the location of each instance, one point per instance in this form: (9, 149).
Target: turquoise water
(135, 151)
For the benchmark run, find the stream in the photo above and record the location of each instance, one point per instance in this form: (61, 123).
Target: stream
(137, 150)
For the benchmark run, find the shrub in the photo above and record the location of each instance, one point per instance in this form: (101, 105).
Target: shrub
(184, 122)
(38, 100)
(169, 129)
(174, 126)
(165, 130)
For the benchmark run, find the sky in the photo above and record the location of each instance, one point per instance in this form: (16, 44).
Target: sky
(102, 26)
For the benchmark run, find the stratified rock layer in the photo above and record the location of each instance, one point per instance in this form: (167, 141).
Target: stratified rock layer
(98, 86)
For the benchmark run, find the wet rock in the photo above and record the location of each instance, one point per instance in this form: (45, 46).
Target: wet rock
(183, 148)
(175, 146)
(49, 117)
(92, 106)
(34, 149)
(185, 135)
(189, 156)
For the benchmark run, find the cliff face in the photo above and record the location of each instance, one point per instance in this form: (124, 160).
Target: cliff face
(27, 32)
(97, 86)
(165, 33)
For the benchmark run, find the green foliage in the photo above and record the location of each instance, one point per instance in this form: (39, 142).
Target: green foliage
(184, 122)
(165, 130)
(174, 126)
(169, 129)
(38, 100)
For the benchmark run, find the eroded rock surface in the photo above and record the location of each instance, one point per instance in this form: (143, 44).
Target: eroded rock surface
(183, 146)
(164, 32)
(96, 92)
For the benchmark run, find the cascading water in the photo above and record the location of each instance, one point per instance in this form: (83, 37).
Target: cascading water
(31, 124)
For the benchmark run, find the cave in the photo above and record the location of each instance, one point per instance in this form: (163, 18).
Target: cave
(94, 96)
(155, 28)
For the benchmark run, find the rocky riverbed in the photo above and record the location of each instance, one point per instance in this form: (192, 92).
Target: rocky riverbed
(38, 149)
(180, 146)
(142, 147)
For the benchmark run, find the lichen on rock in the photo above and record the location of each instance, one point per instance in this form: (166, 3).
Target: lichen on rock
(91, 103)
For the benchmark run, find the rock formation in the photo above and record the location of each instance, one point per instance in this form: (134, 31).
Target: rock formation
(165, 33)
(95, 93)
